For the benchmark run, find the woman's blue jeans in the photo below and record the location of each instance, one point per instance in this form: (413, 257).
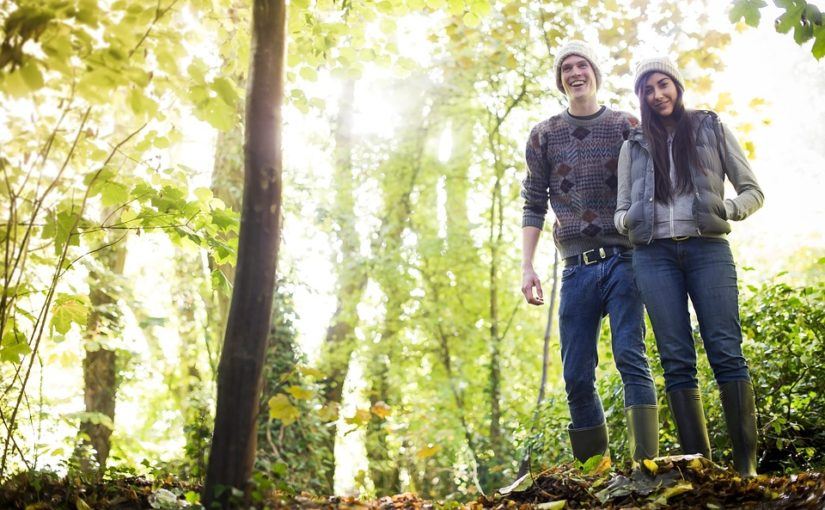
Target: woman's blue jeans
(588, 293)
(667, 273)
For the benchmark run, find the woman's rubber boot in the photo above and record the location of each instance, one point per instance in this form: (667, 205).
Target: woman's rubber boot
(588, 442)
(642, 431)
(740, 416)
(686, 408)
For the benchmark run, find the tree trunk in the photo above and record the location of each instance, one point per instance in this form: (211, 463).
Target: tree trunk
(352, 276)
(239, 373)
(340, 340)
(383, 468)
(496, 233)
(99, 371)
(524, 466)
(227, 185)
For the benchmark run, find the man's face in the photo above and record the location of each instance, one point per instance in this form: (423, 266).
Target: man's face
(577, 77)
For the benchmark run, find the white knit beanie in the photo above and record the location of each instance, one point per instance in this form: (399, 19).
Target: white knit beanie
(657, 64)
(581, 49)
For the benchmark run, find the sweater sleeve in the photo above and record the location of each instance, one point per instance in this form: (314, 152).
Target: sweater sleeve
(623, 190)
(536, 186)
(749, 195)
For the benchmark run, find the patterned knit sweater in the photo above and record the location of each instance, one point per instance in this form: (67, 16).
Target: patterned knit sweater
(572, 163)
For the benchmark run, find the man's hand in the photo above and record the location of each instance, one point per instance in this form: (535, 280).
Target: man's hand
(530, 280)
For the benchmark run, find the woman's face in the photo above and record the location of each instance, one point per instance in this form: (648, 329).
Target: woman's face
(661, 94)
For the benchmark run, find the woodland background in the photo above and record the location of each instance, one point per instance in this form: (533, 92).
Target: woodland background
(402, 356)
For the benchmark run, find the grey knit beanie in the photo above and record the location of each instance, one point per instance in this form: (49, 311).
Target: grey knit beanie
(581, 49)
(657, 64)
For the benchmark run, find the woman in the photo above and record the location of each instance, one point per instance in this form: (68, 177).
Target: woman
(671, 204)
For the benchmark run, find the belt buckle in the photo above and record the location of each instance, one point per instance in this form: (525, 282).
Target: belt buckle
(588, 262)
(680, 238)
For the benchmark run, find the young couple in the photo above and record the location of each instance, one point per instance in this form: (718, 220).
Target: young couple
(641, 218)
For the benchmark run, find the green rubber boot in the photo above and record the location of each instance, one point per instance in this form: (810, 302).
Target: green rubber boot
(642, 431)
(740, 416)
(588, 442)
(686, 408)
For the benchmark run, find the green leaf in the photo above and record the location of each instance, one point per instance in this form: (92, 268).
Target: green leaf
(69, 309)
(31, 75)
(141, 104)
(14, 346)
(15, 85)
(280, 408)
(203, 194)
(226, 219)
(471, 20)
(791, 18)
(818, 49)
(802, 33)
(113, 193)
(748, 9)
(309, 73)
(226, 91)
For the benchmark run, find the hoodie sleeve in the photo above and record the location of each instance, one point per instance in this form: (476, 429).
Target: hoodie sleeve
(749, 195)
(623, 189)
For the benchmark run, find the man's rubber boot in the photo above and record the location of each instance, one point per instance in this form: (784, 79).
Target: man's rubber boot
(588, 442)
(642, 431)
(686, 408)
(740, 416)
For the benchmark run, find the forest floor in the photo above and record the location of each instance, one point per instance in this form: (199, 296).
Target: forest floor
(670, 482)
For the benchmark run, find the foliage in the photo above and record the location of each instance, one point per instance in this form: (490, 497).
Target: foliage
(785, 328)
(805, 19)
(290, 455)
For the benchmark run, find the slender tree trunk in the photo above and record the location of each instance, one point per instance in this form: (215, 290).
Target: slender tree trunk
(524, 466)
(352, 278)
(99, 370)
(190, 386)
(340, 339)
(496, 234)
(239, 373)
(227, 185)
(383, 468)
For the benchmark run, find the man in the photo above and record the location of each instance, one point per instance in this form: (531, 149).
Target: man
(572, 159)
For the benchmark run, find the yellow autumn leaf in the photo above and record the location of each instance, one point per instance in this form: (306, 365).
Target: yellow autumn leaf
(280, 408)
(381, 409)
(757, 102)
(723, 102)
(703, 84)
(299, 393)
(651, 466)
(695, 465)
(311, 372)
(361, 417)
(428, 452)
(329, 412)
(603, 466)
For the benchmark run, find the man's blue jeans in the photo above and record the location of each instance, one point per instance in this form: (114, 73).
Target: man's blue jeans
(588, 293)
(668, 272)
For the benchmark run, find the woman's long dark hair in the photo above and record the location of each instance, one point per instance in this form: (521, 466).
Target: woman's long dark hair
(684, 144)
